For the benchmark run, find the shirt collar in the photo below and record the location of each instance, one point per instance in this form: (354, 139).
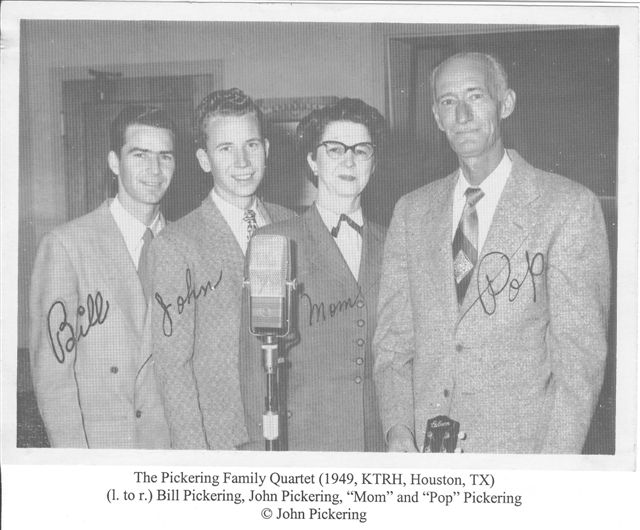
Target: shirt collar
(331, 219)
(231, 210)
(132, 229)
(493, 185)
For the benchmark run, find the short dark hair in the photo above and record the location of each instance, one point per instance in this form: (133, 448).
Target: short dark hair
(137, 115)
(229, 102)
(312, 126)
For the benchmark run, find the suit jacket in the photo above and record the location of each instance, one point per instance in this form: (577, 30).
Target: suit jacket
(96, 390)
(196, 272)
(520, 364)
(330, 396)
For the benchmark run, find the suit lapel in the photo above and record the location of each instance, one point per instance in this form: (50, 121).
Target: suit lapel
(120, 269)
(327, 254)
(431, 236)
(263, 211)
(512, 220)
(372, 250)
(218, 228)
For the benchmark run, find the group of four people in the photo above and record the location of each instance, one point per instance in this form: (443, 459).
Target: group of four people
(487, 303)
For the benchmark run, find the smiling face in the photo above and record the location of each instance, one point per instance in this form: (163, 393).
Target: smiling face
(342, 177)
(236, 156)
(144, 166)
(468, 110)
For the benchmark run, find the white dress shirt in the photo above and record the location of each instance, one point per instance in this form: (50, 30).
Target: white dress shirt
(492, 187)
(234, 218)
(133, 230)
(349, 241)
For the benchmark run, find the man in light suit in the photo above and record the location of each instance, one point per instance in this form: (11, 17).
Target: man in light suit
(196, 273)
(94, 385)
(495, 289)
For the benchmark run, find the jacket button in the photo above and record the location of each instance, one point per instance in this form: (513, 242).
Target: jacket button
(360, 304)
(446, 392)
(360, 342)
(358, 380)
(360, 323)
(459, 348)
(289, 414)
(359, 360)
(114, 369)
(138, 413)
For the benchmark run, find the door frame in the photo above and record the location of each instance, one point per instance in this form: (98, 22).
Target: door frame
(59, 75)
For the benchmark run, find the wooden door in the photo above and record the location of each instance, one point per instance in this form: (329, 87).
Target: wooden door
(88, 112)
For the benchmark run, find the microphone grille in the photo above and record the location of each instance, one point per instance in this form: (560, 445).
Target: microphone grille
(268, 265)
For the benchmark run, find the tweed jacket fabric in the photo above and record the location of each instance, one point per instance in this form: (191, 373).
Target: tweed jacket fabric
(520, 363)
(99, 391)
(330, 397)
(196, 272)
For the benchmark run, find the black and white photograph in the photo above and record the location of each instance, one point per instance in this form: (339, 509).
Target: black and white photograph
(324, 236)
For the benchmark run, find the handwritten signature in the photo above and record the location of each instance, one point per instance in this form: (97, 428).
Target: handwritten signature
(181, 301)
(66, 336)
(319, 313)
(489, 289)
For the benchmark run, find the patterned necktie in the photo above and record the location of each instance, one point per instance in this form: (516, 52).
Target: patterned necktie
(143, 272)
(343, 217)
(465, 243)
(250, 218)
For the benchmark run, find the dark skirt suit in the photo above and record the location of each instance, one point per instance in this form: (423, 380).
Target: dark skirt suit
(330, 396)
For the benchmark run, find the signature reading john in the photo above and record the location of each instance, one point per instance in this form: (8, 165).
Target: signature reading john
(181, 301)
(67, 336)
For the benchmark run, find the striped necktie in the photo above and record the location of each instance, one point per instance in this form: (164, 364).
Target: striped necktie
(252, 225)
(465, 243)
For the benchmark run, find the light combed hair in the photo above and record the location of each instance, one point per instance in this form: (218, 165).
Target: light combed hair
(498, 81)
(229, 102)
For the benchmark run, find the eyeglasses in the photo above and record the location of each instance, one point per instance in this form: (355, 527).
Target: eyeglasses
(361, 152)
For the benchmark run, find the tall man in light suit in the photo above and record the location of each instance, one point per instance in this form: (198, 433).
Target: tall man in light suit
(196, 272)
(94, 385)
(495, 289)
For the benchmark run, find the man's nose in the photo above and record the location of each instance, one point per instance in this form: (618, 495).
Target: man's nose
(240, 158)
(463, 112)
(154, 164)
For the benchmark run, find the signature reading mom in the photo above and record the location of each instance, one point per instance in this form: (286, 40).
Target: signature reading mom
(191, 294)
(318, 313)
(489, 289)
(66, 336)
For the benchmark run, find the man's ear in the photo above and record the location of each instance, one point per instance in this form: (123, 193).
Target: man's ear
(114, 162)
(203, 160)
(508, 104)
(434, 109)
(265, 142)
(312, 163)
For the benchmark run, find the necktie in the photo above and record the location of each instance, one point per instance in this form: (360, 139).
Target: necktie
(143, 272)
(250, 218)
(465, 243)
(343, 217)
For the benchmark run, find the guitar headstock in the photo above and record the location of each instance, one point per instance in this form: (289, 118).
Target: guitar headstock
(442, 435)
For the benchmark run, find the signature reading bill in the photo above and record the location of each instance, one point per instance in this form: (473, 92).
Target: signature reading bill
(66, 336)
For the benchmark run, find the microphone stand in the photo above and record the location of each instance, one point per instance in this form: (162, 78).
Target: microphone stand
(272, 362)
(270, 419)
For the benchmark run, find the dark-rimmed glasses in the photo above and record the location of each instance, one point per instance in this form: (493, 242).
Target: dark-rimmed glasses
(361, 152)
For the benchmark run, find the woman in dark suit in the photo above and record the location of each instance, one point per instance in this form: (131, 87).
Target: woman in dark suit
(330, 399)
